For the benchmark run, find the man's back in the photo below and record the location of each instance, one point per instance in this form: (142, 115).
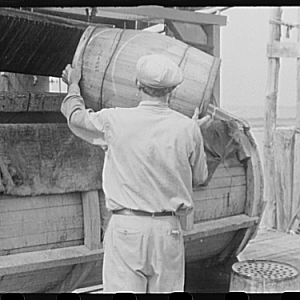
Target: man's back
(148, 163)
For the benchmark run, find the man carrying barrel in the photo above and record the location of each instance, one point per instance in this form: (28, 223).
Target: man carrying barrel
(153, 157)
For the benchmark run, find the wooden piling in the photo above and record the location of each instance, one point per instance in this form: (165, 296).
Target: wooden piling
(296, 177)
(270, 123)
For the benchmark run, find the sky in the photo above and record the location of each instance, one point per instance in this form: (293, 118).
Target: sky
(244, 63)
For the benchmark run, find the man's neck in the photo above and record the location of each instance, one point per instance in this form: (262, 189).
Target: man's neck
(146, 97)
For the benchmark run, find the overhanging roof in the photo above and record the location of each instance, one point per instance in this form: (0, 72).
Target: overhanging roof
(148, 13)
(32, 43)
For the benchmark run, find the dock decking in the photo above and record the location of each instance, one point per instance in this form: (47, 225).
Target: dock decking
(274, 245)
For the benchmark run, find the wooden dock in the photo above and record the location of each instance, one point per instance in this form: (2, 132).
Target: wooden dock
(274, 245)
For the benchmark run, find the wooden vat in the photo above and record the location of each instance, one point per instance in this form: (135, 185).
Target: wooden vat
(51, 225)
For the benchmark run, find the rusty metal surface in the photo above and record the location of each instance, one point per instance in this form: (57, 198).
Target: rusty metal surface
(35, 44)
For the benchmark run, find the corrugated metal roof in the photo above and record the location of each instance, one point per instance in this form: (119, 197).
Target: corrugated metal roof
(36, 44)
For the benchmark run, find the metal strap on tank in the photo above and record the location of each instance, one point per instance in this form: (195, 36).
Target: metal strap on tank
(183, 56)
(107, 66)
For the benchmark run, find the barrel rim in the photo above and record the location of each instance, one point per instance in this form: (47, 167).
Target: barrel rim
(263, 278)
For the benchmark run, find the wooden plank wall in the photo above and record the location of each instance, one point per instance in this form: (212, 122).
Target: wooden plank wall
(225, 194)
(40, 223)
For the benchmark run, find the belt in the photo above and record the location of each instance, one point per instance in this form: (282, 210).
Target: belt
(133, 212)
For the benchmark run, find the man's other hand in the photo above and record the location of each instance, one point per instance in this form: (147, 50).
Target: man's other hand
(71, 75)
(201, 122)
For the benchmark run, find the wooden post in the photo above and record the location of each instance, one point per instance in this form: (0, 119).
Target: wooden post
(92, 222)
(296, 175)
(213, 40)
(270, 124)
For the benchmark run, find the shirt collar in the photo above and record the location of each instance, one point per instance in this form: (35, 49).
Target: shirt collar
(154, 104)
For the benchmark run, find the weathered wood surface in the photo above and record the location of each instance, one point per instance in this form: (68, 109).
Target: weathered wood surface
(274, 245)
(284, 159)
(219, 226)
(27, 262)
(92, 220)
(270, 123)
(296, 175)
(47, 159)
(170, 14)
(40, 223)
(30, 102)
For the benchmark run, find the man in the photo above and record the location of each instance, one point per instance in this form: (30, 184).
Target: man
(154, 155)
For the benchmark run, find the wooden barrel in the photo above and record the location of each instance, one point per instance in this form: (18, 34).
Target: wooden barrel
(263, 276)
(108, 59)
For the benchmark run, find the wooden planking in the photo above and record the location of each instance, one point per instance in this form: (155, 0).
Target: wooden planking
(40, 214)
(92, 220)
(218, 192)
(255, 181)
(42, 239)
(274, 245)
(214, 227)
(50, 280)
(95, 276)
(39, 222)
(12, 203)
(48, 159)
(254, 204)
(228, 205)
(30, 102)
(222, 172)
(43, 247)
(26, 262)
(60, 221)
(218, 182)
(34, 282)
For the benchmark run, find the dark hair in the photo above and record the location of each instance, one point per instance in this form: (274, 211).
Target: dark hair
(154, 92)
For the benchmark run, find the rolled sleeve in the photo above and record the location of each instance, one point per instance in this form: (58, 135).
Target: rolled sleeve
(198, 159)
(84, 123)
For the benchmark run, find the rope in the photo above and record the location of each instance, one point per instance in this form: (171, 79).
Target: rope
(289, 26)
(107, 66)
(284, 23)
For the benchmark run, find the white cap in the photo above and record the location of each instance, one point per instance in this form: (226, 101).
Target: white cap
(158, 71)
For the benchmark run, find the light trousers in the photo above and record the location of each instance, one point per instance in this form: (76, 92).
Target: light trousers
(143, 255)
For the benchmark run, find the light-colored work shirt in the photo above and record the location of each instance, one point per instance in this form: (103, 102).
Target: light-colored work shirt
(154, 154)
